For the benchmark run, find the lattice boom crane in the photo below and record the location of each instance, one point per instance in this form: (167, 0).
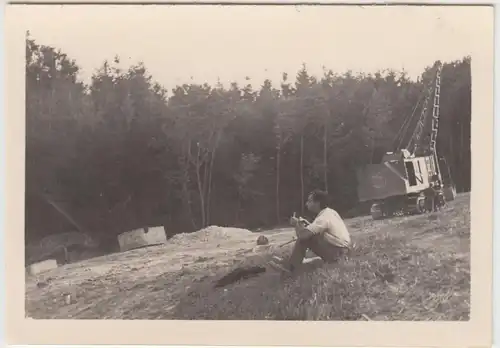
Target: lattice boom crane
(409, 179)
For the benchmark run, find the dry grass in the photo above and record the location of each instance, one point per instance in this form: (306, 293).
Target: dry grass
(412, 268)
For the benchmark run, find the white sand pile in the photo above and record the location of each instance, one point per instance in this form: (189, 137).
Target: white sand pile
(211, 234)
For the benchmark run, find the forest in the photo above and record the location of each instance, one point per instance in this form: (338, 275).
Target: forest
(122, 152)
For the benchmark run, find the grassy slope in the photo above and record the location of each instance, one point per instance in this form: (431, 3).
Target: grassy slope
(412, 268)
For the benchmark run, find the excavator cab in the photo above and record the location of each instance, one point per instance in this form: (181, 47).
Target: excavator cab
(407, 177)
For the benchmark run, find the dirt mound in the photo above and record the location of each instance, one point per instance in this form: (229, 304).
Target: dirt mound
(211, 234)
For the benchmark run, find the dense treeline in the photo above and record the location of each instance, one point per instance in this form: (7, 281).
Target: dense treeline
(122, 152)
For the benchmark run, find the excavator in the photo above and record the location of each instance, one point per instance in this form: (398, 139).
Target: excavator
(411, 178)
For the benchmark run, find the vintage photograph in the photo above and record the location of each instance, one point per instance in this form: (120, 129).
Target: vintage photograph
(257, 163)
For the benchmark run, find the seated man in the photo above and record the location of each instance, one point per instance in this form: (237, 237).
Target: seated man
(327, 236)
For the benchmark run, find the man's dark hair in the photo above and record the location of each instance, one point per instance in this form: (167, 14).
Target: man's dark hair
(321, 197)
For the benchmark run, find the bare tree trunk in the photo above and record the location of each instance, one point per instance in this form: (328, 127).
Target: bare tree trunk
(204, 186)
(212, 159)
(302, 173)
(200, 189)
(278, 159)
(373, 149)
(208, 188)
(325, 156)
(453, 160)
(187, 202)
(185, 188)
(461, 152)
(238, 208)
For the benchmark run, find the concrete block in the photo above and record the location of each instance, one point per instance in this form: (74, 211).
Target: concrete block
(43, 266)
(156, 235)
(139, 238)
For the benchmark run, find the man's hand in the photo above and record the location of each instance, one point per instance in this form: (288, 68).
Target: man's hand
(300, 229)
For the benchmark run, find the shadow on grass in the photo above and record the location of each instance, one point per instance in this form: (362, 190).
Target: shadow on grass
(385, 279)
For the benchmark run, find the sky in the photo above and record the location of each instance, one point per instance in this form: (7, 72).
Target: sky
(180, 44)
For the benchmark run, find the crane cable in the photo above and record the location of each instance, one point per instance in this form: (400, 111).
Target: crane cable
(406, 124)
(401, 133)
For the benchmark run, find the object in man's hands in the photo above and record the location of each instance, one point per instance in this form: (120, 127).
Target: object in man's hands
(294, 221)
(303, 221)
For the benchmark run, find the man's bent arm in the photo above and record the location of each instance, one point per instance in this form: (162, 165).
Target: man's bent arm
(302, 232)
(316, 228)
(319, 226)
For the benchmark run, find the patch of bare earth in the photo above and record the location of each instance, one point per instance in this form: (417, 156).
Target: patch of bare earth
(411, 268)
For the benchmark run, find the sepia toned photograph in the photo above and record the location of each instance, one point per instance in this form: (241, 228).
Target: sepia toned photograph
(253, 163)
